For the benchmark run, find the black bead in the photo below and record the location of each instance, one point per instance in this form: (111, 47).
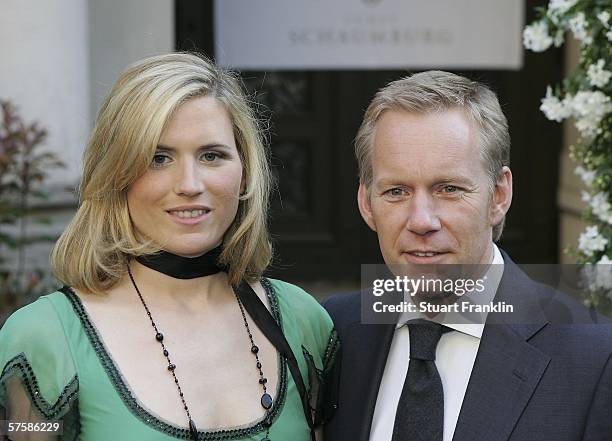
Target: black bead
(254, 349)
(166, 352)
(258, 365)
(171, 367)
(159, 336)
(263, 380)
(266, 401)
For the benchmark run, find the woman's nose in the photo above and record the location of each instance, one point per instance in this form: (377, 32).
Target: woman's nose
(188, 180)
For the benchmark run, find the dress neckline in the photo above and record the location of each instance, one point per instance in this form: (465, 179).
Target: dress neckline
(156, 422)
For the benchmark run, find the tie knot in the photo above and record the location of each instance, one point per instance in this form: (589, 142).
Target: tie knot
(424, 337)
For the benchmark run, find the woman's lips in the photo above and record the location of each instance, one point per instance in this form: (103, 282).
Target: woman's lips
(188, 217)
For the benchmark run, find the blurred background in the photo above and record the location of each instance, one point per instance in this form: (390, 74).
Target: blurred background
(313, 66)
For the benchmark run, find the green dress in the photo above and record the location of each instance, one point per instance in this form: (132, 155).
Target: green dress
(50, 350)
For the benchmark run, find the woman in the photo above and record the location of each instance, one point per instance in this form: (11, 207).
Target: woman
(152, 338)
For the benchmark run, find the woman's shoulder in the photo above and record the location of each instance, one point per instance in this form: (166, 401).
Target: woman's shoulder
(35, 350)
(37, 329)
(38, 314)
(301, 314)
(296, 298)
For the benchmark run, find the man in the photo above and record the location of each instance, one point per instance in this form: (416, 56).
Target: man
(435, 185)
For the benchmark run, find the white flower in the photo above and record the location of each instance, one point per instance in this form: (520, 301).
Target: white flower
(589, 108)
(559, 38)
(585, 196)
(558, 7)
(587, 176)
(578, 25)
(604, 18)
(602, 277)
(598, 76)
(601, 207)
(553, 108)
(536, 38)
(591, 241)
(609, 35)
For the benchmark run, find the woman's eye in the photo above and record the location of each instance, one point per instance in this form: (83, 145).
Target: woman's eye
(159, 160)
(210, 156)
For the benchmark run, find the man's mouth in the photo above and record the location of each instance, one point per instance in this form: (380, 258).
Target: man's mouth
(424, 253)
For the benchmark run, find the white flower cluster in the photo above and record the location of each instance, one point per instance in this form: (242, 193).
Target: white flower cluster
(553, 108)
(600, 275)
(559, 7)
(591, 240)
(536, 37)
(598, 76)
(600, 205)
(604, 18)
(579, 27)
(587, 107)
(587, 176)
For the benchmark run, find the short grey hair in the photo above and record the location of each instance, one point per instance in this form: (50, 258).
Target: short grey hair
(436, 91)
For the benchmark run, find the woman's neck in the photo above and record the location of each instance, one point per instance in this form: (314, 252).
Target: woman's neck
(192, 294)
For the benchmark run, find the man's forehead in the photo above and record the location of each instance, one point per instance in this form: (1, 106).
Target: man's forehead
(438, 146)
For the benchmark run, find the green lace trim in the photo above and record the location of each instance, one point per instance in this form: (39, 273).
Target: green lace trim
(319, 379)
(20, 366)
(150, 419)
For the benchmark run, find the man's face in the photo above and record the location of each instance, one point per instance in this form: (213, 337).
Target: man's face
(430, 200)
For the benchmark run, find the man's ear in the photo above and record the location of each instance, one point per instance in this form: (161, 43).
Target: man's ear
(363, 200)
(502, 196)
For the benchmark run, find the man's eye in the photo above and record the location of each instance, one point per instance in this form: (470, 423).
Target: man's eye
(210, 156)
(159, 160)
(395, 192)
(449, 189)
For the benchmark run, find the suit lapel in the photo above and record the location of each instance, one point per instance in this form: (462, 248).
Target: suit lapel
(507, 368)
(364, 355)
(505, 374)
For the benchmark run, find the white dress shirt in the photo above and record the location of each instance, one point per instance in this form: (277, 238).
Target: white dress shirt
(455, 355)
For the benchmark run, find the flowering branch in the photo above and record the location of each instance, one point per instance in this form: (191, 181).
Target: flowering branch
(585, 96)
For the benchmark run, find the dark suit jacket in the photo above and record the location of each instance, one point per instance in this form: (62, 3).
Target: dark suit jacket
(531, 382)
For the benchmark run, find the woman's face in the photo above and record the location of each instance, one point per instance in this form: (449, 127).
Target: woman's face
(188, 197)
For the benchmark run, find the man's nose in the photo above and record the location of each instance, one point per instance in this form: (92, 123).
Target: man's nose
(422, 216)
(189, 181)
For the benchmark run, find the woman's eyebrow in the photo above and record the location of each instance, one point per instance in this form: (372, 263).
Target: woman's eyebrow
(202, 147)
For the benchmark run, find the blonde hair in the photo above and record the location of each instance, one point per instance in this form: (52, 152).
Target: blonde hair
(93, 251)
(436, 91)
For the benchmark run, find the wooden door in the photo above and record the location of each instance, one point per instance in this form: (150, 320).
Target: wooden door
(317, 230)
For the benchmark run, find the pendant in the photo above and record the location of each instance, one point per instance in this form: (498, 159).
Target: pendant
(266, 401)
(193, 430)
